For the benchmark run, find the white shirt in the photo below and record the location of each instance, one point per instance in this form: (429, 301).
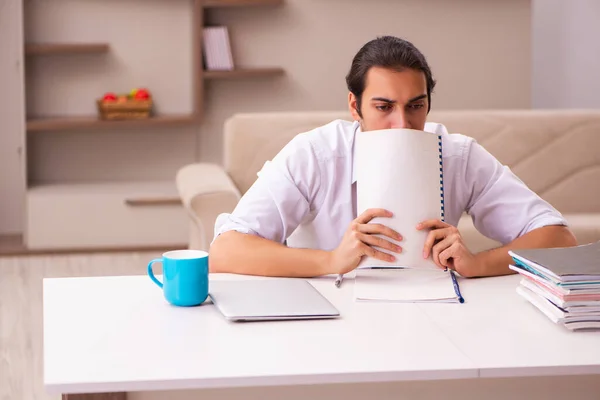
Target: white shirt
(306, 196)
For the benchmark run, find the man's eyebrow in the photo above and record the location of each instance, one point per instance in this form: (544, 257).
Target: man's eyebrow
(383, 99)
(417, 98)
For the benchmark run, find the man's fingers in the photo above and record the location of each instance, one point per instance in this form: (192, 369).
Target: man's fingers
(450, 252)
(432, 224)
(440, 247)
(432, 237)
(380, 255)
(372, 240)
(381, 229)
(371, 213)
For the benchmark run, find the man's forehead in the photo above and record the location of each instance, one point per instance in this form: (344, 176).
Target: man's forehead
(391, 84)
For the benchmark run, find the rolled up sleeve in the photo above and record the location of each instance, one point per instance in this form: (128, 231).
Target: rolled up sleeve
(280, 198)
(502, 207)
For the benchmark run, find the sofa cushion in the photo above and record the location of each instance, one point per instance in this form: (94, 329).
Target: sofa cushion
(253, 139)
(555, 152)
(585, 226)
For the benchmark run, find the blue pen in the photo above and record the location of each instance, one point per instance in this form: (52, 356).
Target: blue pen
(456, 288)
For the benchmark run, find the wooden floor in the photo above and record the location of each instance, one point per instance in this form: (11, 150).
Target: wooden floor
(12, 245)
(21, 310)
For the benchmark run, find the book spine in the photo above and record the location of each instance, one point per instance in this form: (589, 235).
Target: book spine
(219, 43)
(441, 179)
(208, 42)
(227, 49)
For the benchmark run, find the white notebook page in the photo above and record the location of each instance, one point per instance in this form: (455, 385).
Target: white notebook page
(404, 285)
(399, 170)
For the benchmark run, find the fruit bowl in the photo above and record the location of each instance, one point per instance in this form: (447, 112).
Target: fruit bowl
(137, 104)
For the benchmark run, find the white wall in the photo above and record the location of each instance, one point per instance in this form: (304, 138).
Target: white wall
(477, 60)
(466, 42)
(12, 173)
(479, 51)
(150, 46)
(566, 54)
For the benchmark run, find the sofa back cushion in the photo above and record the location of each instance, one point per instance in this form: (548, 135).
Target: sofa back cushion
(252, 139)
(555, 152)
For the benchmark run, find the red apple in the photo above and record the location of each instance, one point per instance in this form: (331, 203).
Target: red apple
(142, 94)
(109, 97)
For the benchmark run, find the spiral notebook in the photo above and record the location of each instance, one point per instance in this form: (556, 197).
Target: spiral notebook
(401, 170)
(405, 285)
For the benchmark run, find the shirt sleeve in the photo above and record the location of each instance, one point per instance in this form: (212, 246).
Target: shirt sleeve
(280, 198)
(502, 207)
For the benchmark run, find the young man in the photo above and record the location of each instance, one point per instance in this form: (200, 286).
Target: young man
(308, 190)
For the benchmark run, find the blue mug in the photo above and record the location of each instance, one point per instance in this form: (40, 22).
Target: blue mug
(185, 277)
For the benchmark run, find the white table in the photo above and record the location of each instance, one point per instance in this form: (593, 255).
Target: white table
(118, 334)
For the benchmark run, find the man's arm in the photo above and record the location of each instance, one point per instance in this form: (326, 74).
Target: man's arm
(248, 254)
(504, 209)
(241, 253)
(496, 261)
(445, 246)
(251, 239)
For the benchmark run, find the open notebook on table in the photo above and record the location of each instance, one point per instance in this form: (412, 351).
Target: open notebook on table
(401, 170)
(408, 285)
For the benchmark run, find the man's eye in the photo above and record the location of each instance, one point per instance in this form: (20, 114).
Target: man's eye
(416, 106)
(383, 107)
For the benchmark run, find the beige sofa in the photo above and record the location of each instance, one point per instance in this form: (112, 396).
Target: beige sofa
(556, 153)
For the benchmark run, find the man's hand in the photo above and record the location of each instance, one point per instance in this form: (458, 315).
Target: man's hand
(359, 238)
(447, 249)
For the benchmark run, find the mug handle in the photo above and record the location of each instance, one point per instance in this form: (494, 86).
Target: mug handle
(151, 273)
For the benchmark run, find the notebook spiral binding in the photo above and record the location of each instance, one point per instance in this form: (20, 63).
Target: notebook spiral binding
(441, 179)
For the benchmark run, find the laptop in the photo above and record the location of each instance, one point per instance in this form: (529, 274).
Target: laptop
(270, 299)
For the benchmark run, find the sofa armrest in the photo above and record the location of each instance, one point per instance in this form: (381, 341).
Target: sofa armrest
(206, 191)
(585, 227)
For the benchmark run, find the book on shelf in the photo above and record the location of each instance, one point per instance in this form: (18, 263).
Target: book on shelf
(563, 283)
(217, 49)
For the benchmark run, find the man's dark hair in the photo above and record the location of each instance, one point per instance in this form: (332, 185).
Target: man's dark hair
(386, 52)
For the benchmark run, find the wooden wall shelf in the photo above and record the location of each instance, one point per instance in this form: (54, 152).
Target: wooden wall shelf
(71, 123)
(38, 49)
(154, 201)
(240, 3)
(14, 245)
(243, 73)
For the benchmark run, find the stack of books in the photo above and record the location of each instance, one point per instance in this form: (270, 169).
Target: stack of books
(563, 283)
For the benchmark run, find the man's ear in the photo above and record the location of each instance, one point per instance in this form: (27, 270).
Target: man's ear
(353, 106)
